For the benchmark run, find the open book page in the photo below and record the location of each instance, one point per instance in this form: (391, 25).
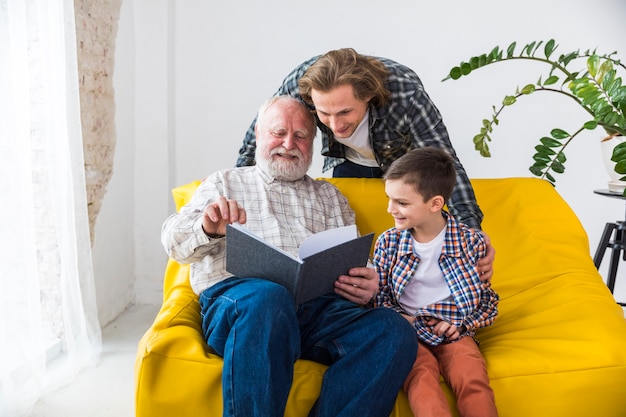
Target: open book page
(314, 243)
(326, 239)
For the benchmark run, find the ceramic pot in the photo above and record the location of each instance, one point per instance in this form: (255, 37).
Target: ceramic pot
(607, 145)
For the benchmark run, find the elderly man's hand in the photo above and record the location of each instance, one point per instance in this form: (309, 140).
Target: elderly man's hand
(360, 286)
(220, 213)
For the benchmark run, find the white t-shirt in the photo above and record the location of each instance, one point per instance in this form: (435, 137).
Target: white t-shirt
(359, 149)
(427, 286)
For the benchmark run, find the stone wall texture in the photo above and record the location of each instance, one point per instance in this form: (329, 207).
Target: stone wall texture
(96, 30)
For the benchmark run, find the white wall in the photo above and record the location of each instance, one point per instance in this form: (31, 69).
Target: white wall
(202, 68)
(114, 241)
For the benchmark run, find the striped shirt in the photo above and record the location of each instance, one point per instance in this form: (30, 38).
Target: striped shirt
(473, 303)
(410, 120)
(283, 213)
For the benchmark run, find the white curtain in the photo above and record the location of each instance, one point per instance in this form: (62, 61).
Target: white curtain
(49, 328)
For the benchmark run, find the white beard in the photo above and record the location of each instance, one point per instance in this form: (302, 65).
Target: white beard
(283, 169)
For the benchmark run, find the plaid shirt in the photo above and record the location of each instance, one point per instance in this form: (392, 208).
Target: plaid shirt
(410, 120)
(283, 213)
(473, 303)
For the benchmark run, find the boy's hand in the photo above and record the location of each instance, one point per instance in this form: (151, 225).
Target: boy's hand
(443, 328)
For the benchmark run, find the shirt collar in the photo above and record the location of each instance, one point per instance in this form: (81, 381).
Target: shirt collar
(451, 246)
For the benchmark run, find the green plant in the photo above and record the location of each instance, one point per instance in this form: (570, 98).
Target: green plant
(596, 87)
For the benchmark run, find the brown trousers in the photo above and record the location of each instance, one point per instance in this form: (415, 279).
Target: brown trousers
(463, 368)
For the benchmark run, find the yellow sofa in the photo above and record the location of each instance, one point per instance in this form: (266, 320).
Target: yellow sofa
(557, 348)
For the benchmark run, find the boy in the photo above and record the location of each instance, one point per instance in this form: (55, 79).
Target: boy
(427, 266)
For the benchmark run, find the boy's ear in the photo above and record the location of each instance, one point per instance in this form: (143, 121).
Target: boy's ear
(437, 203)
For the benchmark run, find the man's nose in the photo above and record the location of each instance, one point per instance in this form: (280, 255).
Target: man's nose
(332, 123)
(289, 141)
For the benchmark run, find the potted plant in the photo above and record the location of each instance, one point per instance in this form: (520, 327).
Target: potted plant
(590, 79)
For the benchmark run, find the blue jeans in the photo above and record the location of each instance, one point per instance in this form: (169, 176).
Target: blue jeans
(260, 332)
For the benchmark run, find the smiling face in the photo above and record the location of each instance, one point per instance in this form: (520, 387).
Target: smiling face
(407, 207)
(411, 212)
(339, 109)
(284, 133)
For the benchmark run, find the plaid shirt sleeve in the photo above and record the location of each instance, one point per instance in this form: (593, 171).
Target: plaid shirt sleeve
(182, 235)
(411, 120)
(395, 263)
(485, 312)
(382, 263)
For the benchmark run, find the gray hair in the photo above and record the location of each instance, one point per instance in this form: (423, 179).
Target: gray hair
(273, 100)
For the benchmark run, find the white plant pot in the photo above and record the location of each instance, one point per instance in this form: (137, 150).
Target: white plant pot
(615, 185)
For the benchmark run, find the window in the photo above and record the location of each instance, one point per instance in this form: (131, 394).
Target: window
(47, 295)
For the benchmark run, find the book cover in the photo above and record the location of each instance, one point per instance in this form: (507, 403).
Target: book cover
(322, 258)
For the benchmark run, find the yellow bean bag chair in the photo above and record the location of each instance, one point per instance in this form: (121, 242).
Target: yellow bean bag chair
(557, 348)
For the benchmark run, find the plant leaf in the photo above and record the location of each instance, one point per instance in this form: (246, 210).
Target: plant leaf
(542, 158)
(511, 50)
(620, 167)
(558, 167)
(549, 48)
(592, 65)
(455, 73)
(465, 68)
(544, 150)
(619, 152)
(559, 134)
(553, 79)
(590, 125)
(508, 100)
(536, 171)
(552, 143)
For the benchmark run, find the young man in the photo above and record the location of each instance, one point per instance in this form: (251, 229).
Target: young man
(370, 112)
(254, 324)
(428, 273)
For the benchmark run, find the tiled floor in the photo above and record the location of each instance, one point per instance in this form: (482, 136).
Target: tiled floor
(108, 389)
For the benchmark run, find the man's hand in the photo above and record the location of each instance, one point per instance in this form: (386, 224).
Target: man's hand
(485, 265)
(360, 286)
(220, 213)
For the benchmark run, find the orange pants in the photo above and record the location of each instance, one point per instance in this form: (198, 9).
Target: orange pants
(463, 367)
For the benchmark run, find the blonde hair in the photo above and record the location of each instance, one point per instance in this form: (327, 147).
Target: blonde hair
(367, 76)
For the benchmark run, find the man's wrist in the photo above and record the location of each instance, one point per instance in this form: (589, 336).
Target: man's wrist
(213, 235)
